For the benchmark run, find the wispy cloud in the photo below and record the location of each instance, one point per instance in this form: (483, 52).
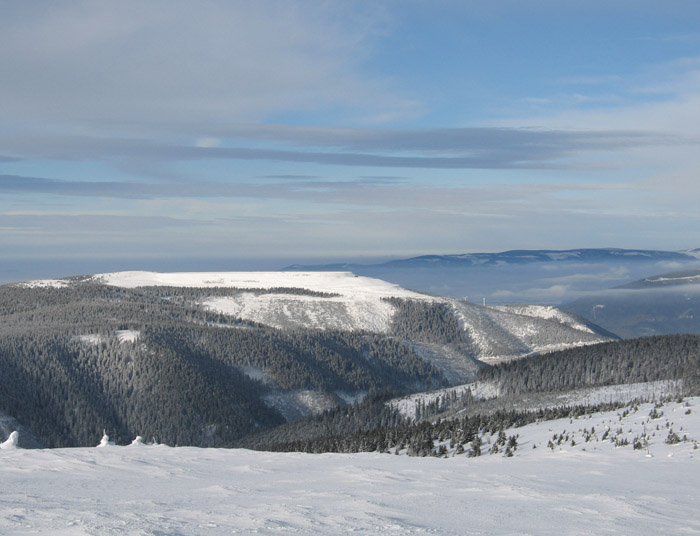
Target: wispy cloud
(454, 148)
(168, 61)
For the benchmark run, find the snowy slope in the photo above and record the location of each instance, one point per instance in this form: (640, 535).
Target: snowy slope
(590, 488)
(356, 305)
(343, 283)
(502, 333)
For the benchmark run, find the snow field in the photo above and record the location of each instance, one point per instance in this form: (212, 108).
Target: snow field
(343, 283)
(590, 488)
(294, 312)
(359, 305)
(122, 335)
(406, 406)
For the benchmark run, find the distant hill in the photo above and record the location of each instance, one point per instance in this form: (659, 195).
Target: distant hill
(521, 276)
(656, 305)
(207, 358)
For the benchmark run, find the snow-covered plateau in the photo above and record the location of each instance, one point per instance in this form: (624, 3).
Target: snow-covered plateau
(582, 484)
(353, 302)
(343, 283)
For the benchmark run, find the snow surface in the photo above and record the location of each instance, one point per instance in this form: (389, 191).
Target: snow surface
(358, 306)
(45, 283)
(127, 335)
(351, 313)
(343, 283)
(407, 406)
(656, 390)
(547, 312)
(91, 339)
(122, 335)
(590, 488)
(11, 442)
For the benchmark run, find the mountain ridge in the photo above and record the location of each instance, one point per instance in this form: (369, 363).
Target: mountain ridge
(117, 344)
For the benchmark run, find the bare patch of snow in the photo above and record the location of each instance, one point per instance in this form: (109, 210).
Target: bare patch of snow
(127, 335)
(546, 312)
(351, 398)
(256, 374)
(407, 406)
(299, 311)
(45, 283)
(91, 339)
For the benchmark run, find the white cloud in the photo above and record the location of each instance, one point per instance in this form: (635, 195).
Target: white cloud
(207, 142)
(175, 61)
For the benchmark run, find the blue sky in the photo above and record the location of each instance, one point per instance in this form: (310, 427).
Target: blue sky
(263, 132)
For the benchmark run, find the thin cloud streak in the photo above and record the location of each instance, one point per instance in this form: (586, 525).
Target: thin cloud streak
(465, 148)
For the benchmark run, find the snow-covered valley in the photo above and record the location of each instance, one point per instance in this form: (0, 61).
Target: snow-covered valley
(576, 487)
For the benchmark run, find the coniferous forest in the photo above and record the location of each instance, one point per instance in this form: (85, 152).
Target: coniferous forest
(152, 361)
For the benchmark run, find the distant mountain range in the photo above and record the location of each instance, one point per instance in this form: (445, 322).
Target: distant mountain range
(521, 276)
(517, 257)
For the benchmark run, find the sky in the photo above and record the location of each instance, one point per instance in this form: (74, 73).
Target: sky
(236, 134)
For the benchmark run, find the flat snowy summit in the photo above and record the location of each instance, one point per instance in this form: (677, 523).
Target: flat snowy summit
(343, 283)
(337, 300)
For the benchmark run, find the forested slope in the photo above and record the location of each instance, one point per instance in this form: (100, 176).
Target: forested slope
(374, 425)
(184, 376)
(114, 352)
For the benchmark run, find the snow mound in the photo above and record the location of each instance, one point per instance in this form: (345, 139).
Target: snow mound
(105, 442)
(11, 442)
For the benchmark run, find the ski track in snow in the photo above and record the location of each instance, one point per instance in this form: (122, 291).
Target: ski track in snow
(589, 488)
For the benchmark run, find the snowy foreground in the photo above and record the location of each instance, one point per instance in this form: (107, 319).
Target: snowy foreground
(590, 488)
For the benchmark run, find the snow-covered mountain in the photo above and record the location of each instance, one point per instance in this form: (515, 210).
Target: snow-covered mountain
(519, 257)
(345, 301)
(250, 348)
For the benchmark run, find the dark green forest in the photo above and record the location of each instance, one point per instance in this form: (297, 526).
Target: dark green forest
(195, 377)
(372, 425)
(182, 382)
